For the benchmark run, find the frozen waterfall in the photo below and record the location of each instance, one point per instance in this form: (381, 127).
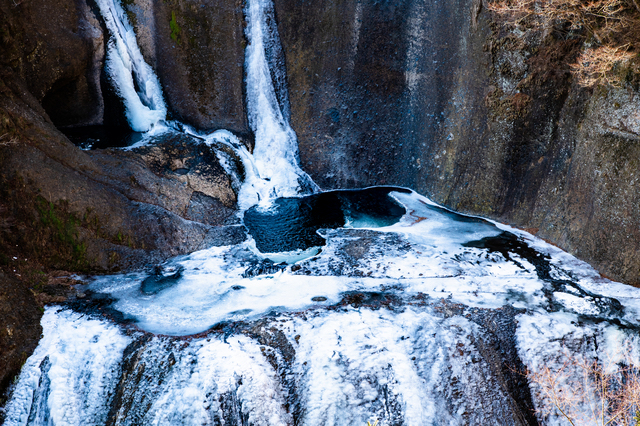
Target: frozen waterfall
(276, 150)
(432, 318)
(133, 79)
(272, 171)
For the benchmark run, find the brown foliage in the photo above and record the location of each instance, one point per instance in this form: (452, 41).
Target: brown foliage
(6, 139)
(609, 28)
(596, 65)
(590, 392)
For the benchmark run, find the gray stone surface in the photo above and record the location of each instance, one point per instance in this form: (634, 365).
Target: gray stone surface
(440, 98)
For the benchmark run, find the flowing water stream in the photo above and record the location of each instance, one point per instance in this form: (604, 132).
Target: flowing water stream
(341, 307)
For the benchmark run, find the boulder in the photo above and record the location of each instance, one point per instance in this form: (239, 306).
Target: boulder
(118, 209)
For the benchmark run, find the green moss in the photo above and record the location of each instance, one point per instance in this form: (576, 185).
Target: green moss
(62, 230)
(47, 234)
(175, 28)
(114, 258)
(91, 221)
(133, 19)
(35, 278)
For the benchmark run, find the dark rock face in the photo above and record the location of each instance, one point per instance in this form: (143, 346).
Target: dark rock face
(552, 156)
(97, 210)
(197, 49)
(57, 48)
(369, 82)
(20, 328)
(441, 98)
(497, 345)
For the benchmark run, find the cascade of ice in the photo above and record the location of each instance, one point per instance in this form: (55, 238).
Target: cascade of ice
(276, 146)
(272, 171)
(69, 377)
(253, 188)
(133, 79)
(384, 324)
(418, 341)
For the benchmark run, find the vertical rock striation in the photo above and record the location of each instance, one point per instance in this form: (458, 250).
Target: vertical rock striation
(440, 97)
(370, 82)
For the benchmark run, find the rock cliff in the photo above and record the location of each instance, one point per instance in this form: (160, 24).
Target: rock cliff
(85, 211)
(197, 50)
(442, 98)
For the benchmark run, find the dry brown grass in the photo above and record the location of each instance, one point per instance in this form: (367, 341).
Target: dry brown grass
(597, 65)
(609, 28)
(7, 139)
(589, 393)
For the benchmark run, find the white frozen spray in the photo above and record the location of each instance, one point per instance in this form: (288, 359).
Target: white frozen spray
(69, 378)
(276, 146)
(133, 79)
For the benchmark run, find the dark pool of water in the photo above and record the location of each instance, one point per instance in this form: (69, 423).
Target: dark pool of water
(101, 137)
(292, 223)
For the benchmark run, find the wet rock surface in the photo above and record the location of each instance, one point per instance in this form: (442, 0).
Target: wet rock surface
(118, 212)
(261, 267)
(197, 50)
(20, 329)
(370, 83)
(109, 209)
(498, 347)
(176, 172)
